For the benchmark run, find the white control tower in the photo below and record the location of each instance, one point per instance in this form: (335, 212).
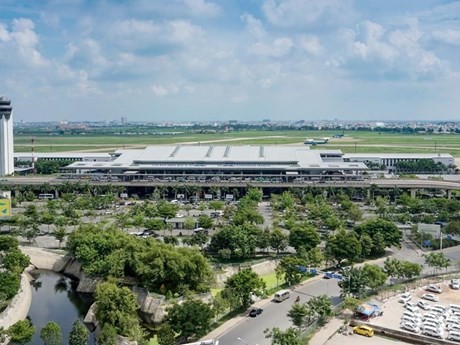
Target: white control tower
(6, 137)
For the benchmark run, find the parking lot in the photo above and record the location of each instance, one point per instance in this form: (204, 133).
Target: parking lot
(393, 309)
(340, 339)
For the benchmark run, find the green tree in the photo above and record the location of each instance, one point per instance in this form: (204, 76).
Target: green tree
(190, 318)
(51, 334)
(116, 307)
(278, 240)
(289, 267)
(14, 260)
(79, 334)
(366, 245)
(378, 244)
(216, 205)
(322, 306)
(297, 314)
(166, 335)
(243, 283)
(437, 260)
(21, 332)
(353, 282)
(108, 335)
(313, 258)
(9, 284)
(189, 223)
(305, 236)
(410, 270)
(343, 245)
(375, 276)
(205, 221)
(254, 194)
(391, 234)
(290, 336)
(60, 234)
(392, 267)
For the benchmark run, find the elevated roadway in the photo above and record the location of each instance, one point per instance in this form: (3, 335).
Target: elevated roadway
(379, 183)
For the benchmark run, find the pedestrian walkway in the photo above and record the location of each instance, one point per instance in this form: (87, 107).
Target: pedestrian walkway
(326, 332)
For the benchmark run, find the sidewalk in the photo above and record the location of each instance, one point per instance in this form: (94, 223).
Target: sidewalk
(326, 332)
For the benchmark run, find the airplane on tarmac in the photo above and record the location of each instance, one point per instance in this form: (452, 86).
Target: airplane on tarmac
(315, 142)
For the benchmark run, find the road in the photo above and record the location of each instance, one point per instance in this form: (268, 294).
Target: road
(251, 330)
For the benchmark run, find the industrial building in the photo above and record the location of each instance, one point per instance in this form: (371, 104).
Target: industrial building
(390, 160)
(280, 163)
(6, 137)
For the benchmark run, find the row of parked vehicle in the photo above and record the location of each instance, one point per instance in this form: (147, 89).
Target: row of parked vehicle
(438, 321)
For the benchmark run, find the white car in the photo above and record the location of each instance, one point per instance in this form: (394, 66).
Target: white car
(453, 327)
(433, 323)
(433, 288)
(410, 327)
(454, 335)
(414, 310)
(410, 319)
(410, 305)
(405, 297)
(440, 309)
(424, 305)
(455, 284)
(430, 297)
(415, 317)
(433, 332)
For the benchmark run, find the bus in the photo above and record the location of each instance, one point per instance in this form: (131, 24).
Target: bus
(45, 196)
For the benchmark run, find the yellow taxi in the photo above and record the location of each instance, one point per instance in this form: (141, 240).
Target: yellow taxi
(363, 330)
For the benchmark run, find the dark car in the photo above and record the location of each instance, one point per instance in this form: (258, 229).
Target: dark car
(255, 311)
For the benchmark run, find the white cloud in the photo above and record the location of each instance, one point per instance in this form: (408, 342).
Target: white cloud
(130, 27)
(254, 26)
(287, 13)
(4, 33)
(183, 31)
(398, 52)
(165, 90)
(311, 44)
(448, 36)
(201, 7)
(278, 48)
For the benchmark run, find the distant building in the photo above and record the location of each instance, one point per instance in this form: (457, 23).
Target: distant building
(390, 160)
(6, 137)
(124, 120)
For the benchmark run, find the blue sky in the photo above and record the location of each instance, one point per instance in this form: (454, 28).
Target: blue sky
(165, 60)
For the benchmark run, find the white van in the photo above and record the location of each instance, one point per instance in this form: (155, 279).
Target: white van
(281, 295)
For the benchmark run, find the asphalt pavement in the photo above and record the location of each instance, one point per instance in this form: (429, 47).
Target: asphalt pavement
(251, 330)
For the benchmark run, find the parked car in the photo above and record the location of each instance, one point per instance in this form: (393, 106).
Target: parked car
(410, 327)
(455, 284)
(405, 297)
(454, 335)
(411, 319)
(410, 305)
(255, 311)
(433, 288)
(424, 305)
(430, 297)
(364, 330)
(453, 327)
(433, 323)
(433, 332)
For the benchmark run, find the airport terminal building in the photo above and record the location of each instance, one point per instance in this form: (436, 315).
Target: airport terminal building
(279, 163)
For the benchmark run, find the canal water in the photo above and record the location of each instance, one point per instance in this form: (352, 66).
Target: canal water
(54, 299)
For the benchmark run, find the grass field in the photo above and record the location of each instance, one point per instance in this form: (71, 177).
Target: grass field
(354, 141)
